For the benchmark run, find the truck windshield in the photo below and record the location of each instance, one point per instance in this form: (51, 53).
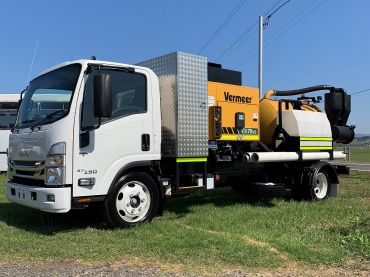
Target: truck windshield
(48, 97)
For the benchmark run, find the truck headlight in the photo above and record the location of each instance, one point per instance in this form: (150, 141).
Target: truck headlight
(55, 165)
(56, 160)
(55, 176)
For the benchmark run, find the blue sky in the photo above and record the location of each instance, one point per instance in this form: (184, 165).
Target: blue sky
(306, 42)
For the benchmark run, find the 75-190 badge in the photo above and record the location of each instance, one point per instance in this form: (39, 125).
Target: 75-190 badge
(87, 171)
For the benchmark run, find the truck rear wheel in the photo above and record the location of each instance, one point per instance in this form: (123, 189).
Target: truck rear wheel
(316, 190)
(132, 200)
(321, 186)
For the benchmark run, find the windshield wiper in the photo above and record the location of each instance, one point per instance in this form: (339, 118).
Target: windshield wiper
(50, 115)
(26, 121)
(22, 122)
(46, 118)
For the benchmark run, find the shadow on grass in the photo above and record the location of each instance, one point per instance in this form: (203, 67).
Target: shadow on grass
(220, 198)
(50, 223)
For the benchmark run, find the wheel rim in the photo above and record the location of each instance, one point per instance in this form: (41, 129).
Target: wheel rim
(321, 186)
(133, 201)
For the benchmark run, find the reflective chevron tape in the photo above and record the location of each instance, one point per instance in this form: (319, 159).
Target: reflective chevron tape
(191, 160)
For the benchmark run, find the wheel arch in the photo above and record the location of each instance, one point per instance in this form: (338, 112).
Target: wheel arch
(308, 174)
(330, 171)
(150, 169)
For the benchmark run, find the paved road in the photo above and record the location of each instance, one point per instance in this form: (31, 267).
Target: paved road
(362, 166)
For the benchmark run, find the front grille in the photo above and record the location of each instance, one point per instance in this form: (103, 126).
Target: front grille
(23, 172)
(30, 173)
(28, 163)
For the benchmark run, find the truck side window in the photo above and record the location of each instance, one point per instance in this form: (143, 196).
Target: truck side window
(8, 115)
(129, 97)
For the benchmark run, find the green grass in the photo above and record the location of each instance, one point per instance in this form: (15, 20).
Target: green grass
(357, 153)
(208, 233)
(360, 154)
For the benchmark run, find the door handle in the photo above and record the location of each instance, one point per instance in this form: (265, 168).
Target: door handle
(145, 142)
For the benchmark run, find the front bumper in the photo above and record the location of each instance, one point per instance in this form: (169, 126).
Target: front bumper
(53, 200)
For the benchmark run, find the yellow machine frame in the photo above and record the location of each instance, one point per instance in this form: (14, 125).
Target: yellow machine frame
(233, 112)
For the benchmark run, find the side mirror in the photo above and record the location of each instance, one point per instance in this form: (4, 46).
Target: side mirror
(103, 96)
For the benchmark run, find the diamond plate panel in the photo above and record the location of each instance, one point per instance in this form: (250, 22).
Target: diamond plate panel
(184, 93)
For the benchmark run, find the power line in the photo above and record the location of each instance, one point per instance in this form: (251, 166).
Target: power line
(251, 29)
(219, 29)
(271, 8)
(237, 43)
(365, 90)
(266, 22)
(271, 39)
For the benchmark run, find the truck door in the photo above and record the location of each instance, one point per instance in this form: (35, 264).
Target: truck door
(106, 147)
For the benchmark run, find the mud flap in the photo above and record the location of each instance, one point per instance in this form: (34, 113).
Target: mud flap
(333, 190)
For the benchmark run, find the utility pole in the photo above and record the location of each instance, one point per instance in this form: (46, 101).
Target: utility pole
(260, 55)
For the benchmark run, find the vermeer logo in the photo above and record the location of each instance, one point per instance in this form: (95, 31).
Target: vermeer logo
(236, 98)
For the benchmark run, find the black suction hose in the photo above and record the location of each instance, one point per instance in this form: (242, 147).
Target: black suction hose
(306, 90)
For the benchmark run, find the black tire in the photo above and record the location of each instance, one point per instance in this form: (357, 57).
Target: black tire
(268, 190)
(317, 190)
(264, 190)
(133, 200)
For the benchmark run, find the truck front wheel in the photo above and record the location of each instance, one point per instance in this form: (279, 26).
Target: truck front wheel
(132, 200)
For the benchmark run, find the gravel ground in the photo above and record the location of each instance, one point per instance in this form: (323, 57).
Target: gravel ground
(65, 269)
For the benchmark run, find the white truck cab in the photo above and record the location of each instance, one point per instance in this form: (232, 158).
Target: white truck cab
(81, 123)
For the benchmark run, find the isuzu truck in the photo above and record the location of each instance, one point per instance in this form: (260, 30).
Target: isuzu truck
(126, 137)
